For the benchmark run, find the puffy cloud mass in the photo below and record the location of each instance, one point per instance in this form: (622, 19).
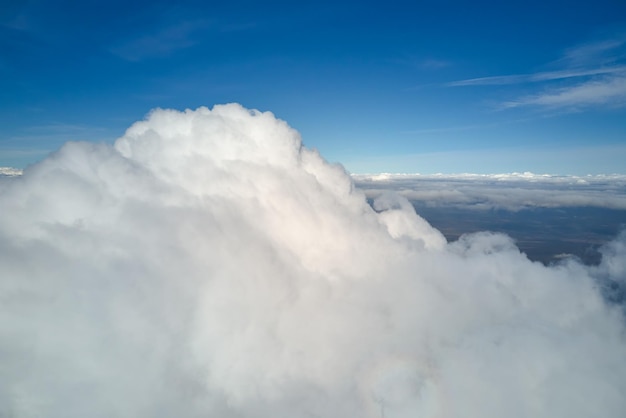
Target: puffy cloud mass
(208, 264)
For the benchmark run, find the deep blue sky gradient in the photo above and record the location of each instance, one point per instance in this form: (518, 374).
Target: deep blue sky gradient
(376, 86)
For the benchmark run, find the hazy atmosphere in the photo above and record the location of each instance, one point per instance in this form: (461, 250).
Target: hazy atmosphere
(312, 210)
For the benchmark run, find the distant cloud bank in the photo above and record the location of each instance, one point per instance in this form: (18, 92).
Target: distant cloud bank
(509, 191)
(208, 264)
(10, 172)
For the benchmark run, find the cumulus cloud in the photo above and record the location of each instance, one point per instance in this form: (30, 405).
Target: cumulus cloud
(208, 264)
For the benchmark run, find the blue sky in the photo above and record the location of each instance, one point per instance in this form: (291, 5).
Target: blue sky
(422, 86)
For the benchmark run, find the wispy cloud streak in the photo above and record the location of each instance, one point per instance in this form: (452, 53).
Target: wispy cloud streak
(536, 77)
(604, 91)
(591, 74)
(594, 53)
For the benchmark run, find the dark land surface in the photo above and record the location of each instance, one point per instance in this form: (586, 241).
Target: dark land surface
(544, 234)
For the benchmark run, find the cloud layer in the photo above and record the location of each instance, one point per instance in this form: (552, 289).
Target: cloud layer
(9, 172)
(208, 264)
(512, 191)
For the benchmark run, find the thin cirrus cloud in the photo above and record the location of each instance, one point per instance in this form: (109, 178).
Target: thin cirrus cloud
(603, 91)
(541, 76)
(594, 53)
(209, 264)
(599, 65)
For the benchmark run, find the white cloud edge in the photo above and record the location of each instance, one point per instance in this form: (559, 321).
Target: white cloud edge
(511, 191)
(514, 176)
(10, 171)
(527, 175)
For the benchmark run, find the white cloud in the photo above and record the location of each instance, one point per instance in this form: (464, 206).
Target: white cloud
(10, 171)
(512, 191)
(210, 265)
(599, 64)
(579, 160)
(602, 52)
(535, 77)
(603, 91)
(33, 143)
